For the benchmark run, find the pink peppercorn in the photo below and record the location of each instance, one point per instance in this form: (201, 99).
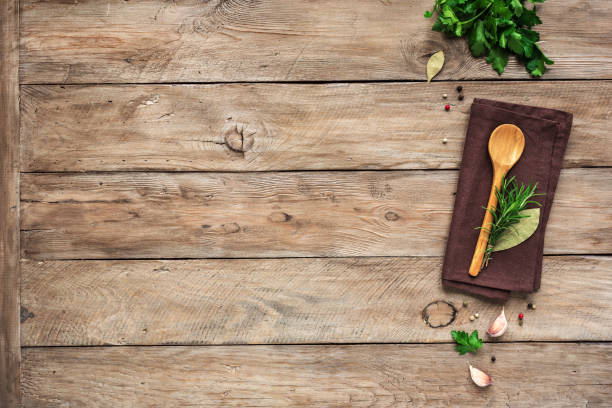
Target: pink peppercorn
(447, 107)
(521, 316)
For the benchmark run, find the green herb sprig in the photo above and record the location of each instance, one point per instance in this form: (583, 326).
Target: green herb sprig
(466, 343)
(495, 29)
(511, 200)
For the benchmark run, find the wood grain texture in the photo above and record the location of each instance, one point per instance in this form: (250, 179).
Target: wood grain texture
(239, 127)
(237, 215)
(92, 41)
(524, 375)
(10, 354)
(289, 301)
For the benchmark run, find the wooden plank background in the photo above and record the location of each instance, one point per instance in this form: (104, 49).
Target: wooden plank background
(250, 127)
(339, 193)
(91, 41)
(524, 374)
(10, 354)
(236, 215)
(288, 301)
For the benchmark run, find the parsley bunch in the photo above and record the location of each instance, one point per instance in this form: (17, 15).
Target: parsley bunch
(466, 343)
(495, 28)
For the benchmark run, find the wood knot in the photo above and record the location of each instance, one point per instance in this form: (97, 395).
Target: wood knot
(240, 138)
(279, 216)
(391, 216)
(231, 228)
(25, 314)
(439, 313)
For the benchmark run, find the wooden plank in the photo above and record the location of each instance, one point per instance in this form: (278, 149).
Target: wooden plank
(91, 41)
(10, 354)
(289, 301)
(236, 215)
(523, 374)
(283, 127)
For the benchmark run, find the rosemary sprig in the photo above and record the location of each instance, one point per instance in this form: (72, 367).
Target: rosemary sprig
(511, 200)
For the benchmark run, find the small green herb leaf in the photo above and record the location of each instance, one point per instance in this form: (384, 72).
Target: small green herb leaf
(478, 42)
(466, 343)
(520, 231)
(498, 58)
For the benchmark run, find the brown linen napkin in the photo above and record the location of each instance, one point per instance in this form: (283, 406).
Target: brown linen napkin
(516, 269)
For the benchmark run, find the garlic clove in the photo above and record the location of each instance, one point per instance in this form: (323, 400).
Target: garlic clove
(479, 377)
(499, 325)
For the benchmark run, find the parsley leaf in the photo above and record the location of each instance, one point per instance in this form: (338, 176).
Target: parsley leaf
(494, 29)
(498, 58)
(478, 42)
(466, 343)
(529, 18)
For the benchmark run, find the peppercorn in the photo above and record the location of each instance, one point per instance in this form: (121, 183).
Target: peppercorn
(476, 315)
(530, 306)
(521, 316)
(447, 107)
(460, 97)
(493, 359)
(445, 96)
(445, 140)
(472, 318)
(465, 304)
(459, 88)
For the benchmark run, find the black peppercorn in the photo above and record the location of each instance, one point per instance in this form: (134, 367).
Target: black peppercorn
(493, 358)
(459, 88)
(529, 305)
(460, 97)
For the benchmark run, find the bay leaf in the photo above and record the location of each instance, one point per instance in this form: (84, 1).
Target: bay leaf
(434, 65)
(520, 231)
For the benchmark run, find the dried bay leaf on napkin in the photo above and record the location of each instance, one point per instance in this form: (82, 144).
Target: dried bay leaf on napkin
(434, 65)
(520, 231)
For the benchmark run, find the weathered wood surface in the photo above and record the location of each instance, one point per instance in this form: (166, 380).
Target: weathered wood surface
(289, 301)
(284, 127)
(92, 41)
(236, 215)
(10, 354)
(524, 375)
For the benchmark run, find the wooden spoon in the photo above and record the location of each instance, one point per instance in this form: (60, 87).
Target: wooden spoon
(506, 145)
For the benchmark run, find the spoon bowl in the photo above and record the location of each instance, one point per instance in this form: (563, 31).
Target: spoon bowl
(506, 145)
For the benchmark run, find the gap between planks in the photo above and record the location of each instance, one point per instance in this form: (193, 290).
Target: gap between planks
(313, 344)
(322, 82)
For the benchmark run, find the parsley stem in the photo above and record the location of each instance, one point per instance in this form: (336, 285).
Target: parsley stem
(476, 16)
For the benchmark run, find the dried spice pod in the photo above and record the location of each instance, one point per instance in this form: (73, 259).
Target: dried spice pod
(434, 65)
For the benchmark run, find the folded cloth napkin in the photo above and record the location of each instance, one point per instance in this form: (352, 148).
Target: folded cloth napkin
(519, 268)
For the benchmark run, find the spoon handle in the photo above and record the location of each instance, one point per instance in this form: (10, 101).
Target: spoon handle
(483, 237)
